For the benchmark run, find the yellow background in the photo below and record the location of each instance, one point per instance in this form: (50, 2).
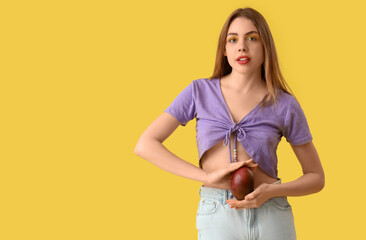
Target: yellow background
(81, 80)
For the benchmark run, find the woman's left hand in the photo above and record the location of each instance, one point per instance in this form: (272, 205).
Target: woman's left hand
(254, 199)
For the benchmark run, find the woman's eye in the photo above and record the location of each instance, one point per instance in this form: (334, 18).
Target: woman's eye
(252, 38)
(232, 40)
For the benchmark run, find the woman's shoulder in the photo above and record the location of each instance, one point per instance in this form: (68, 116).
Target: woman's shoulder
(281, 104)
(288, 102)
(200, 88)
(284, 98)
(205, 85)
(205, 82)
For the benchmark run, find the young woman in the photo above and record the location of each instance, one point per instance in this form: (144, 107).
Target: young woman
(245, 101)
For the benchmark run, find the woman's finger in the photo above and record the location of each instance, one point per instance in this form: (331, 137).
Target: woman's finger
(237, 204)
(251, 164)
(233, 166)
(249, 161)
(253, 194)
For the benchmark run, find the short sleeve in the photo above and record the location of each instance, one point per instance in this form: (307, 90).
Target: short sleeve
(296, 129)
(183, 107)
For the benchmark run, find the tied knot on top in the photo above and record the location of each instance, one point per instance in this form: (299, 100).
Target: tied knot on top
(239, 135)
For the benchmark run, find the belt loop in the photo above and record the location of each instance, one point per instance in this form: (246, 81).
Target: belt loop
(227, 195)
(224, 197)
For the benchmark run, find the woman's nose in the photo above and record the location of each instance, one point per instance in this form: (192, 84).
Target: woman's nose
(242, 47)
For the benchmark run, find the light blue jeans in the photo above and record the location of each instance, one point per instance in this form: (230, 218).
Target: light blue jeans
(217, 221)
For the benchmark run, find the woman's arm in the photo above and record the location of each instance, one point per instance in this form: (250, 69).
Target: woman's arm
(150, 147)
(311, 181)
(313, 178)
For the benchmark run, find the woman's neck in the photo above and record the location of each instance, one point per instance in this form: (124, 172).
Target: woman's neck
(244, 83)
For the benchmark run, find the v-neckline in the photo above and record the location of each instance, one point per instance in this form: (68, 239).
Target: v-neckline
(227, 107)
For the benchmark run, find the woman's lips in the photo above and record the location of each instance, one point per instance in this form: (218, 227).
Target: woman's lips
(243, 59)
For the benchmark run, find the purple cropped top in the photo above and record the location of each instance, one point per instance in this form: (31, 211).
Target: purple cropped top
(259, 132)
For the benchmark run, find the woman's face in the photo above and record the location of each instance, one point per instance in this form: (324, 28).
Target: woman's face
(244, 48)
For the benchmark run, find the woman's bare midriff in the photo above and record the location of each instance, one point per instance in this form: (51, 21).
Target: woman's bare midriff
(218, 157)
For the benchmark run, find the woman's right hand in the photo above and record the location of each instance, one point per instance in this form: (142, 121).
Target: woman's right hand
(222, 177)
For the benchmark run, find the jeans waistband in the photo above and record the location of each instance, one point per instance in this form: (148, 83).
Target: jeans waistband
(219, 194)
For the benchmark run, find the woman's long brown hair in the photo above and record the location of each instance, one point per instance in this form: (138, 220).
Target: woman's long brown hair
(271, 73)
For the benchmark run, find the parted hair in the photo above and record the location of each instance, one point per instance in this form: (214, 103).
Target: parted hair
(270, 70)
